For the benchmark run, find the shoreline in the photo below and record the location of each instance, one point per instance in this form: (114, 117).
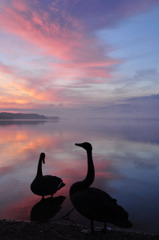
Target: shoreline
(20, 230)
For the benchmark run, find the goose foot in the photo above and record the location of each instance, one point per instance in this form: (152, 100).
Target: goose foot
(105, 227)
(92, 227)
(67, 216)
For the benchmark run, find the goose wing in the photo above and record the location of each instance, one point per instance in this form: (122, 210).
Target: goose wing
(96, 204)
(53, 183)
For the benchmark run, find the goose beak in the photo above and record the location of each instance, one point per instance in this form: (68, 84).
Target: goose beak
(42, 155)
(78, 144)
(44, 158)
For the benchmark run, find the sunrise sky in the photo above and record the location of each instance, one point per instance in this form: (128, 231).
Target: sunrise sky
(80, 58)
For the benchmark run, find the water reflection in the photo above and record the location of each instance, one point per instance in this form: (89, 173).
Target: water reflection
(25, 122)
(126, 155)
(46, 208)
(20, 122)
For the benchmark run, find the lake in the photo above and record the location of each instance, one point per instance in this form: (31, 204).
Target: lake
(126, 159)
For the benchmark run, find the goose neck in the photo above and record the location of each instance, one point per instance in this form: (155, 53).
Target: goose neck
(88, 180)
(39, 170)
(90, 170)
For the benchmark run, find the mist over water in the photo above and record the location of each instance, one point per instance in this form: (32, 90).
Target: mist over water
(126, 159)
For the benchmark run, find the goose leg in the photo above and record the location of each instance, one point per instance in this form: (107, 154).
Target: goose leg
(92, 226)
(105, 226)
(67, 216)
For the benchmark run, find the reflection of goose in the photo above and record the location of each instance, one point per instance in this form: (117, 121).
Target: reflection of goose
(94, 203)
(45, 185)
(46, 208)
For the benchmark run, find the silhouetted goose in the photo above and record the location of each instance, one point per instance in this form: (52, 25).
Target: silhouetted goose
(93, 203)
(45, 185)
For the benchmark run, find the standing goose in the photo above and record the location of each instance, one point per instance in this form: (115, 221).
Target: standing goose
(93, 203)
(45, 185)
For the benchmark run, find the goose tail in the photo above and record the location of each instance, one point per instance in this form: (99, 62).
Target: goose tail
(61, 184)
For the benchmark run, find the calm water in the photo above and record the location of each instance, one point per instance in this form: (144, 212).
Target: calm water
(126, 158)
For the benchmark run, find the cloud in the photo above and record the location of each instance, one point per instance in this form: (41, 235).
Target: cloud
(95, 14)
(6, 170)
(63, 56)
(54, 27)
(134, 107)
(6, 69)
(25, 88)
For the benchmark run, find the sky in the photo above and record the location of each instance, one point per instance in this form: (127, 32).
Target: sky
(80, 58)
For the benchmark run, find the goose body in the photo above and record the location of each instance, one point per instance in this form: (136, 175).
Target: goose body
(45, 185)
(93, 203)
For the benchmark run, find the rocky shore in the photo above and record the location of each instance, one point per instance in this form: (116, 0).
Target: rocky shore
(15, 230)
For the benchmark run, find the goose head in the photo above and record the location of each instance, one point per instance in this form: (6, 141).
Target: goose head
(86, 145)
(42, 157)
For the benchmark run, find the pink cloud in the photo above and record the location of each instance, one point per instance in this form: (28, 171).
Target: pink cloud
(55, 31)
(55, 39)
(38, 29)
(65, 31)
(6, 69)
(20, 5)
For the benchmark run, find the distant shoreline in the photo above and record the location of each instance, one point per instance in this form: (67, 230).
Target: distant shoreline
(51, 119)
(25, 116)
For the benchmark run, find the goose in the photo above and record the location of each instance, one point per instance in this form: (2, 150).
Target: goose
(93, 203)
(45, 185)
